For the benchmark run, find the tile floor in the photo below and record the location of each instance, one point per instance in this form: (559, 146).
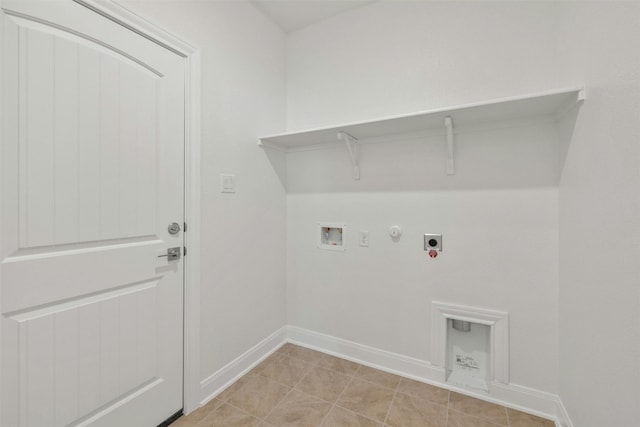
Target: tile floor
(300, 387)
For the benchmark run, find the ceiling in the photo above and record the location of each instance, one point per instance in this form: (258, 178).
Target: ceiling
(292, 15)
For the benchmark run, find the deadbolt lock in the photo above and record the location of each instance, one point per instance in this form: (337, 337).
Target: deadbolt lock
(174, 228)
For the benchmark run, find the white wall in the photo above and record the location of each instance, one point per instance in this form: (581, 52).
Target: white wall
(600, 219)
(498, 214)
(243, 95)
(381, 296)
(394, 57)
(397, 57)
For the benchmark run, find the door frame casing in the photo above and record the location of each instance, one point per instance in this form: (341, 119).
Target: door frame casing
(192, 142)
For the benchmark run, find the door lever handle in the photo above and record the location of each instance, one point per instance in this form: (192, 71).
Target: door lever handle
(172, 254)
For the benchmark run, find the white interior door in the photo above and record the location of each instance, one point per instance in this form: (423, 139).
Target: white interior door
(92, 174)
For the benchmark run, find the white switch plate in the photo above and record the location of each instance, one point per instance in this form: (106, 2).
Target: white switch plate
(364, 238)
(227, 183)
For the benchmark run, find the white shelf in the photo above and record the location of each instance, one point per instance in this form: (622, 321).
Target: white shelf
(548, 104)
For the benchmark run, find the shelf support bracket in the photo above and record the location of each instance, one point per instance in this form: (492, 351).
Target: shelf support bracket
(451, 167)
(354, 151)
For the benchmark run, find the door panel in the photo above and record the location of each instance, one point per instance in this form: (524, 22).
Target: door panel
(72, 116)
(92, 174)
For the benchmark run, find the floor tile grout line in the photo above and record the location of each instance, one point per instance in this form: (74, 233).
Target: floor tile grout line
(395, 392)
(335, 403)
(326, 415)
(481, 417)
(305, 359)
(357, 413)
(305, 375)
(378, 384)
(293, 387)
(211, 412)
(346, 385)
(234, 407)
(268, 379)
(446, 419)
(280, 382)
(475, 416)
(354, 377)
(318, 366)
(276, 405)
(314, 365)
(239, 408)
(314, 396)
(343, 390)
(340, 372)
(317, 363)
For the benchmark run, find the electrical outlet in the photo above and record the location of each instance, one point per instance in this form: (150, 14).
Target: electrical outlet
(433, 241)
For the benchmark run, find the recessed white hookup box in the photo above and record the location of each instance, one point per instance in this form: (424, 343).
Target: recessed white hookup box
(331, 236)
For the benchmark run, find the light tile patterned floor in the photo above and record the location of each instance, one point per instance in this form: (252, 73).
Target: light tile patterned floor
(300, 387)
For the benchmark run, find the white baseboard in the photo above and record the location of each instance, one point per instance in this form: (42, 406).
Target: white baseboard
(384, 360)
(563, 416)
(515, 396)
(526, 399)
(533, 401)
(213, 385)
